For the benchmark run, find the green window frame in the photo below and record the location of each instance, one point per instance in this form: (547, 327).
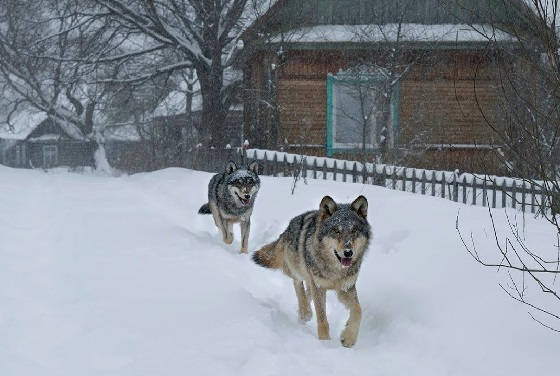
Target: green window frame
(332, 80)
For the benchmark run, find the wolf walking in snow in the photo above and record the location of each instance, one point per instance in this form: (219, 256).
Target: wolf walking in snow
(325, 249)
(231, 196)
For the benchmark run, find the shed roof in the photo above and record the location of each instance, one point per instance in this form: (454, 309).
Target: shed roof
(288, 15)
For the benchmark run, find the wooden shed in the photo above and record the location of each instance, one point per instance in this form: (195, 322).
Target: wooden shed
(405, 78)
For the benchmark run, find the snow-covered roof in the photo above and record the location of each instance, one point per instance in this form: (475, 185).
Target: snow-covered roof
(125, 132)
(45, 137)
(23, 124)
(390, 33)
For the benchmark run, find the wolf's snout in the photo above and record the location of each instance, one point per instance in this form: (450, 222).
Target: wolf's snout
(348, 253)
(247, 196)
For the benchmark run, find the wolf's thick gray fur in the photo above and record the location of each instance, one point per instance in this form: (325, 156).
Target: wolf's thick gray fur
(231, 197)
(323, 248)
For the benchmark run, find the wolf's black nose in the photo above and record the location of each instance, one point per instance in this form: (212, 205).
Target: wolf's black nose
(247, 196)
(348, 253)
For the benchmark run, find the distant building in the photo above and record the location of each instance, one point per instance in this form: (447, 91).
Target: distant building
(298, 78)
(44, 143)
(38, 141)
(173, 121)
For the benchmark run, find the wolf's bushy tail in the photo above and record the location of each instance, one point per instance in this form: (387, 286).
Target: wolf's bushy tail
(270, 256)
(204, 209)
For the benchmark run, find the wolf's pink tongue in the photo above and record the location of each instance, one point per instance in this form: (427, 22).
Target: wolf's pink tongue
(346, 261)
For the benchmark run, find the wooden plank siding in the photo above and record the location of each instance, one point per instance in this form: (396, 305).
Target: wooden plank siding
(438, 103)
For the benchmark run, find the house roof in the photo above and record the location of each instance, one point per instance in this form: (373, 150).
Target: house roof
(22, 124)
(286, 17)
(392, 32)
(122, 132)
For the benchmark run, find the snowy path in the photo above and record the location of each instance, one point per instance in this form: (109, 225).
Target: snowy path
(119, 276)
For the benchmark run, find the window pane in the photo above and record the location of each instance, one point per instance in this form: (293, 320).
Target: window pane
(353, 107)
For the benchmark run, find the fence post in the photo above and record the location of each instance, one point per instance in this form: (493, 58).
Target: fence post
(344, 171)
(364, 172)
(403, 188)
(533, 197)
(494, 193)
(455, 188)
(275, 165)
(484, 195)
(324, 169)
(314, 168)
(394, 178)
(513, 194)
(504, 194)
(543, 200)
(423, 185)
(265, 162)
(523, 194)
(284, 166)
(474, 183)
(464, 186)
(443, 183)
(335, 169)
(413, 180)
(304, 167)
(354, 173)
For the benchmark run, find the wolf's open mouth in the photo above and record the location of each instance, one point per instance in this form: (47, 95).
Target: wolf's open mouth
(244, 201)
(344, 261)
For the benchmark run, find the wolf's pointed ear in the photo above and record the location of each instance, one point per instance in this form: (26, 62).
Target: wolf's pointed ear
(360, 206)
(253, 167)
(327, 207)
(230, 167)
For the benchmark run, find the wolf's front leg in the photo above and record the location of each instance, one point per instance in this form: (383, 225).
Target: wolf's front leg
(320, 301)
(245, 228)
(349, 298)
(228, 234)
(218, 220)
(304, 309)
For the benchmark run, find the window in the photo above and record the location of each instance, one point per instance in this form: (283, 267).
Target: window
(50, 156)
(357, 113)
(21, 159)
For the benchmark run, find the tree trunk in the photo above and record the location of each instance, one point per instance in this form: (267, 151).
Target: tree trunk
(213, 110)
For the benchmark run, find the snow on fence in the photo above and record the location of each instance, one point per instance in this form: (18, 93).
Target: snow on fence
(467, 188)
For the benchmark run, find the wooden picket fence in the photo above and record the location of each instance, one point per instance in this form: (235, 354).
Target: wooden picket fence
(483, 190)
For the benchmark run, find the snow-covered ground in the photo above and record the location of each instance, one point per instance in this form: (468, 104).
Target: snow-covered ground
(120, 276)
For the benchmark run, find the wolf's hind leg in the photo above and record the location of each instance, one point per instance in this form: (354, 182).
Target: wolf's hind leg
(245, 228)
(304, 309)
(320, 301)
(349, 298)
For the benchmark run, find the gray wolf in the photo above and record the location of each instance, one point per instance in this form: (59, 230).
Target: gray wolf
(324, 248)
(231, 197)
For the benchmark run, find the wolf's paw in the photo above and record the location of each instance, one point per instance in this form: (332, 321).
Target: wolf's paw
(305, 316)
(243, 250)
(348, 337)
(323, 331)
(228, 239)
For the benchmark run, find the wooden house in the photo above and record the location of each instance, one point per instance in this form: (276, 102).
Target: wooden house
(47, 144)
(423, 68)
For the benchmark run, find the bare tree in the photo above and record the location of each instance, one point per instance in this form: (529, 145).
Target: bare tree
(203, 34)
(526, 126)
(43, 45)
